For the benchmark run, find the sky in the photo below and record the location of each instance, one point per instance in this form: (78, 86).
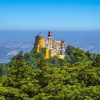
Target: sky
(49, 14)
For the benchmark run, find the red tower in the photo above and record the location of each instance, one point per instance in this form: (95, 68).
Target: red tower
(49, 34)
(50, 39)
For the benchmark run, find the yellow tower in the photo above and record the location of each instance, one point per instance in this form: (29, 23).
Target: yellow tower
(41, 42)
(47, 53)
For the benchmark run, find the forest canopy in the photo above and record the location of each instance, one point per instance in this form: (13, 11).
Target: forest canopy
(29, 76)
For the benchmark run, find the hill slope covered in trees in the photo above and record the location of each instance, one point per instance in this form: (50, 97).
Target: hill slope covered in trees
(30, 77)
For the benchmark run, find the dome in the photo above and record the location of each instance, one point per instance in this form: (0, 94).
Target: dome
(41, 36)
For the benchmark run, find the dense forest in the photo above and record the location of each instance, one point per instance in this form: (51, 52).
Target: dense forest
(29, 76)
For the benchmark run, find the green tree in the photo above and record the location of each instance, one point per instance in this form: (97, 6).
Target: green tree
(3, 69)
(21, 76)
(96, 62)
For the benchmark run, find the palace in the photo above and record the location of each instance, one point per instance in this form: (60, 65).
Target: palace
(49, 46)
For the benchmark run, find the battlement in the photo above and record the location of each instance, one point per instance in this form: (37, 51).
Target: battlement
(49, 46)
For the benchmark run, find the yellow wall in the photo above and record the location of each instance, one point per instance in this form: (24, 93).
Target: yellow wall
(41, 43)
(47, 53)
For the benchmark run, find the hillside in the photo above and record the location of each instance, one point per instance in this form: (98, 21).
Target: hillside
(30, 77)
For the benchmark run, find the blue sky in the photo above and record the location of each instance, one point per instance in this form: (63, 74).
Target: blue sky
(49, 14)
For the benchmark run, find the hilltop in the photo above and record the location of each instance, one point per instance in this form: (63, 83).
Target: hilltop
(29, 76)
(88, 41)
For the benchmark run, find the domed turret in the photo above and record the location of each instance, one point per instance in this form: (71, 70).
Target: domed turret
(41, 42)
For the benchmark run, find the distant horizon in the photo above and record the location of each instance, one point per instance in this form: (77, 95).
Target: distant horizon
(56, 30)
